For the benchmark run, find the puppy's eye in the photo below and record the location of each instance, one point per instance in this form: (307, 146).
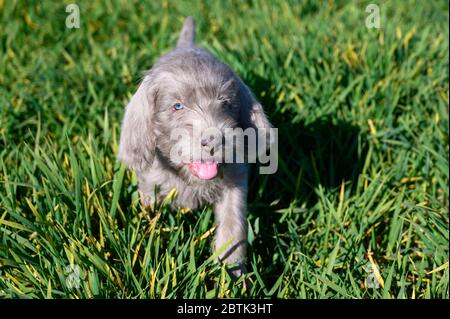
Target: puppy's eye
(178, 106)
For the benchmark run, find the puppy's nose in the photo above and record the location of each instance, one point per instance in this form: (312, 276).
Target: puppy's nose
(211, 140)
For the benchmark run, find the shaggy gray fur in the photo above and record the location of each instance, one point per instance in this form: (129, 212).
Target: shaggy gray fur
(213, 95)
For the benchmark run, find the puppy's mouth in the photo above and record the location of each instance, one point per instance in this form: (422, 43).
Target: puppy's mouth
(204, 169)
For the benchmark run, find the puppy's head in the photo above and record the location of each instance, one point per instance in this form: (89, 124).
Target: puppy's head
(181, 112)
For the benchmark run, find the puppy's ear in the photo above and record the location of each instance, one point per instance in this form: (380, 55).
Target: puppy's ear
(137, 139)
(252, 112)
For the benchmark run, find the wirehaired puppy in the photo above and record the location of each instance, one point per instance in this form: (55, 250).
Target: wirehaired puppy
(189, 85)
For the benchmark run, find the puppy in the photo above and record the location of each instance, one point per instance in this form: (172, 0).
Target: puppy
(189, 87)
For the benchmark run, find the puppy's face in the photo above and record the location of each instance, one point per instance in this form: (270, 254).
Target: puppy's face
(181, 113)
(190, 121)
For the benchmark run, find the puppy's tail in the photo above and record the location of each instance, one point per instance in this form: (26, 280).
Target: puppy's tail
(187, 35)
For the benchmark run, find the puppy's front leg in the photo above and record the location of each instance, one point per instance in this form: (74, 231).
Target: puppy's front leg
(231, 231)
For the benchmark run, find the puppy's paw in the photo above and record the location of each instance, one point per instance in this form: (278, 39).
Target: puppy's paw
(239, 271)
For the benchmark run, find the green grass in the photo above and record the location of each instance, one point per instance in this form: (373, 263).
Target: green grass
(363, 159)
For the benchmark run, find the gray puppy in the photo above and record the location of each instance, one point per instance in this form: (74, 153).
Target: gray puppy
(189, 85)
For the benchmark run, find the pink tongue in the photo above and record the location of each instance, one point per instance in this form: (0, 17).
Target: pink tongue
(204, 170)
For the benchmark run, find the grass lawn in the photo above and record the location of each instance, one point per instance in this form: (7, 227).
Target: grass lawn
(359, 207)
